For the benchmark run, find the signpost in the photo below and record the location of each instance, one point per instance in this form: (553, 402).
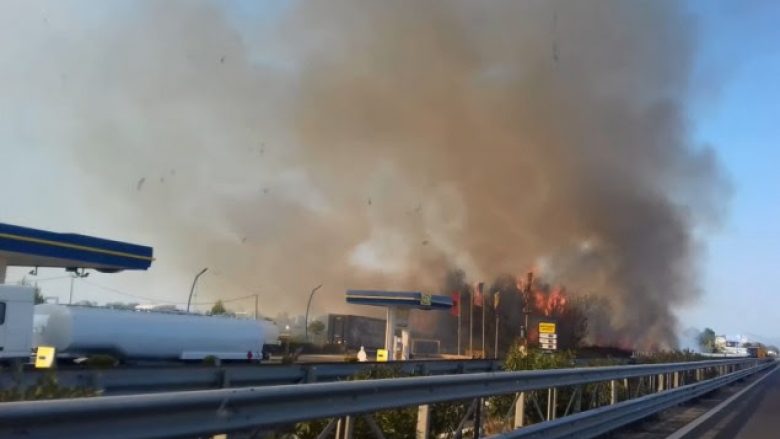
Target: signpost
(548, 337)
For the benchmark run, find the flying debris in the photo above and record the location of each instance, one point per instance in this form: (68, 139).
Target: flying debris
(140, 183)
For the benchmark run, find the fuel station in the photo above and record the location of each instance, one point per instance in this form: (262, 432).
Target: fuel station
(397, 305)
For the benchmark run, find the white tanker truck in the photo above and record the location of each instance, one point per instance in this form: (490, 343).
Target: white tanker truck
(81, 331)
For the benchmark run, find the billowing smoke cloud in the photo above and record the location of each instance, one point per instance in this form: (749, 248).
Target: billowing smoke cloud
(381, 144)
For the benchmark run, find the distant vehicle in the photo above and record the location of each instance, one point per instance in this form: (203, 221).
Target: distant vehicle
(128, 335)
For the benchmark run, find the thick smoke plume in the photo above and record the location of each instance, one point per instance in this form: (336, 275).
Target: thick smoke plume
(381, 144)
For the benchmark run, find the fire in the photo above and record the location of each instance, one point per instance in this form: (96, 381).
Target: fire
(545, 299)
(550, 301)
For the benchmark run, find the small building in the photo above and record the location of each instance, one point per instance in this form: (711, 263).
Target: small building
(352, 332)
(731, 345)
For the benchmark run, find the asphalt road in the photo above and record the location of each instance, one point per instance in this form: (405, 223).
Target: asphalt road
(762, 414)
(754, 416)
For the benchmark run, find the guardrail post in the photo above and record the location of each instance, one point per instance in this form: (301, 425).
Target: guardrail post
(660, 382)
(676, 380)
(423, 422)
(349, 427)
(613, 394)
(310, 374)
(554, 402)
(478, 419)
(627, 387)
(520, 410)
(549, 403)
(224, 378)
(95, 381)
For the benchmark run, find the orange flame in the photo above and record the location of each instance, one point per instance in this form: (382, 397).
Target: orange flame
(546, 300)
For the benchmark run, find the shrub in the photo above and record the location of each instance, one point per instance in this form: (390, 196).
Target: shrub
(47, 387)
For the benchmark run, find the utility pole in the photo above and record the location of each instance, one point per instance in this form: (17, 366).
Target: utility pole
(256, 306)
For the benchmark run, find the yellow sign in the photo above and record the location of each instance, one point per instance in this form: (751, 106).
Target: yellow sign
(425, 300)
(44, 357)
(546, 328)
(381, 355)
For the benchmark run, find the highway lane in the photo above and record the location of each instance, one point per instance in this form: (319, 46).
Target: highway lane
(762, 411)
(755, 415)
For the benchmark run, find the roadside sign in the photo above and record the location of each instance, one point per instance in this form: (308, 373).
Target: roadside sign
(381, 355)
(44, 357)
(545, 345)
(551, 337)
(546, 328)
(425, 299)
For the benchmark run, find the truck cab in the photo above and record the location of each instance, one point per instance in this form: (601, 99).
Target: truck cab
(16, 321)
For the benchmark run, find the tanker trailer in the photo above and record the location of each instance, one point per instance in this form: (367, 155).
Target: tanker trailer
(77, 331)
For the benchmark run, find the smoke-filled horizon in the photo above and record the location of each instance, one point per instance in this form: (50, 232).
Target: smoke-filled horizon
(382, 145)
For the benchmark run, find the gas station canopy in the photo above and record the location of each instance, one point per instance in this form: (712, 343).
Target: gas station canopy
(404, 299)
(22, 246)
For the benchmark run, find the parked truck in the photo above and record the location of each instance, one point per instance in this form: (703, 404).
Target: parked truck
(82, 331)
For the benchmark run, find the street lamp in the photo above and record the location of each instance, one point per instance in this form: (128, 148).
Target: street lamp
(192, 290)
(308, 305)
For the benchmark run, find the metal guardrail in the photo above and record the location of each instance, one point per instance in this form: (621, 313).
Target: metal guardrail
(203, 412)
(148, 379)
(593, 423)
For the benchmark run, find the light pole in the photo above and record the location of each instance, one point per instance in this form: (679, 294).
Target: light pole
(192, 290)
(308, 305)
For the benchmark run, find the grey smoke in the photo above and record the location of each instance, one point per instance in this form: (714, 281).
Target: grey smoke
(402, 141)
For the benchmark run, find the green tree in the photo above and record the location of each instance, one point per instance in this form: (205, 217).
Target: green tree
(316, 327)
(218, 308)
(707, 340)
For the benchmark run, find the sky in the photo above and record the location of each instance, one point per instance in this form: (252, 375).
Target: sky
(741, 279)
(736, 113)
